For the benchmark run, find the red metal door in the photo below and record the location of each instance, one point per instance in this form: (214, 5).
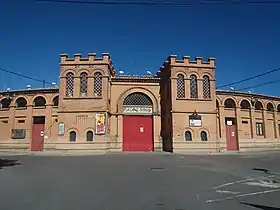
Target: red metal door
(232, 141)
(138, 133)
(37, 142)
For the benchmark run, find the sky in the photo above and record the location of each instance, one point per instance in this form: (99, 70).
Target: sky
(244, 38)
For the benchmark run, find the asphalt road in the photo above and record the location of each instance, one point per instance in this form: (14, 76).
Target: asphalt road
(146, 181)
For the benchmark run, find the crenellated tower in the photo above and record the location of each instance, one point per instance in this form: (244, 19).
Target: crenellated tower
(84, 90)
(188, 101)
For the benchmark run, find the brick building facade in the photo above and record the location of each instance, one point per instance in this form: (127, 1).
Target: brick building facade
(177, 110)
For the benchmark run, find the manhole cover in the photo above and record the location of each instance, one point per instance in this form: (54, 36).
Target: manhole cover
(157, 169)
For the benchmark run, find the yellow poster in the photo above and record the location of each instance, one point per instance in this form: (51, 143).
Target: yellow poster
(100, 127)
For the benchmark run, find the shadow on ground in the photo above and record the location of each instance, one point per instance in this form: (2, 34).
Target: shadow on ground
(6, 163)
(261, 206)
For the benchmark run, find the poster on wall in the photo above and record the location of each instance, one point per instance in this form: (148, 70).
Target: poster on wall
(61, 129)
(100, 127)
(18, 133)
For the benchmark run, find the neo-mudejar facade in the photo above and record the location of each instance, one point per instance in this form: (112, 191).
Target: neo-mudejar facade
(177, 110)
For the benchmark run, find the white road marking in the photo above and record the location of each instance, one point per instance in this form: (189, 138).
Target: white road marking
(227, 192)
(264, 183)
(232, 183)
(247, 157)
(242, 195)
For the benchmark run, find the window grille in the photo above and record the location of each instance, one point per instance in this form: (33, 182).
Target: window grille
(83, 84)
(206, 87)
(97, 84)
(180, 86)
(139, 99)
(193, 87)
(69, 84)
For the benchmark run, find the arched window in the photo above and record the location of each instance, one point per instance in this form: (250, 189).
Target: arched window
(245, 104)
(180, 86)
(89, 136)
(39, 101)
(203, 136)
(69, 84)
(278, 108)
(193, 87)
(258, 106)
(206, 87)
(72, 136)
(21, 102)
(229, 103)
(188, 136)
(83, 84)
(137, 99)
(269, 107)
(97, 79)
(55, 101)
(5, 103)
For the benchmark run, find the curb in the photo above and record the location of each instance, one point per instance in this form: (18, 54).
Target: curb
(50, 153)
(96, 153)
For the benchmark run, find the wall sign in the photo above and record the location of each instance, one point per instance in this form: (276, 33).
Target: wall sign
(138, 110)
(229, 122)
(61, 129)
(195, 120)
(195, 123)
(100, 126)
(18, 133)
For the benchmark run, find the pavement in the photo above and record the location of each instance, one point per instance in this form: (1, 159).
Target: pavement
(146, 181)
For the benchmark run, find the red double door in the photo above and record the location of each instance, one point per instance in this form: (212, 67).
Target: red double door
(138, 133)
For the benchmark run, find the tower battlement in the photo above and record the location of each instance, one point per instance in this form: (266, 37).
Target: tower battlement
(91, 59)
(187, 62)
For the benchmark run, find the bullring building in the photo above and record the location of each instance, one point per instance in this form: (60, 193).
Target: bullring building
(177, 110)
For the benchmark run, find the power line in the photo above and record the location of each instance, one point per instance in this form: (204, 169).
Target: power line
(24, 76)
(250, 78)
(259, 85)
(138, 3)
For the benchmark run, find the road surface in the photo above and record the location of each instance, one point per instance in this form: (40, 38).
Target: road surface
(140, 181)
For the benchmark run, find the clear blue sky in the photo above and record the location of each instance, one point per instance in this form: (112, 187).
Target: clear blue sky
(243, 38)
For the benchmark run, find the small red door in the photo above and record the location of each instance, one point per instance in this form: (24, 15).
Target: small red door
(138, 133)
(37, 142)
(232, 141)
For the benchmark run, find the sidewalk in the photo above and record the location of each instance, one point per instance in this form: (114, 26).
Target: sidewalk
(92, 153)
(225, 152)
(52, 153)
